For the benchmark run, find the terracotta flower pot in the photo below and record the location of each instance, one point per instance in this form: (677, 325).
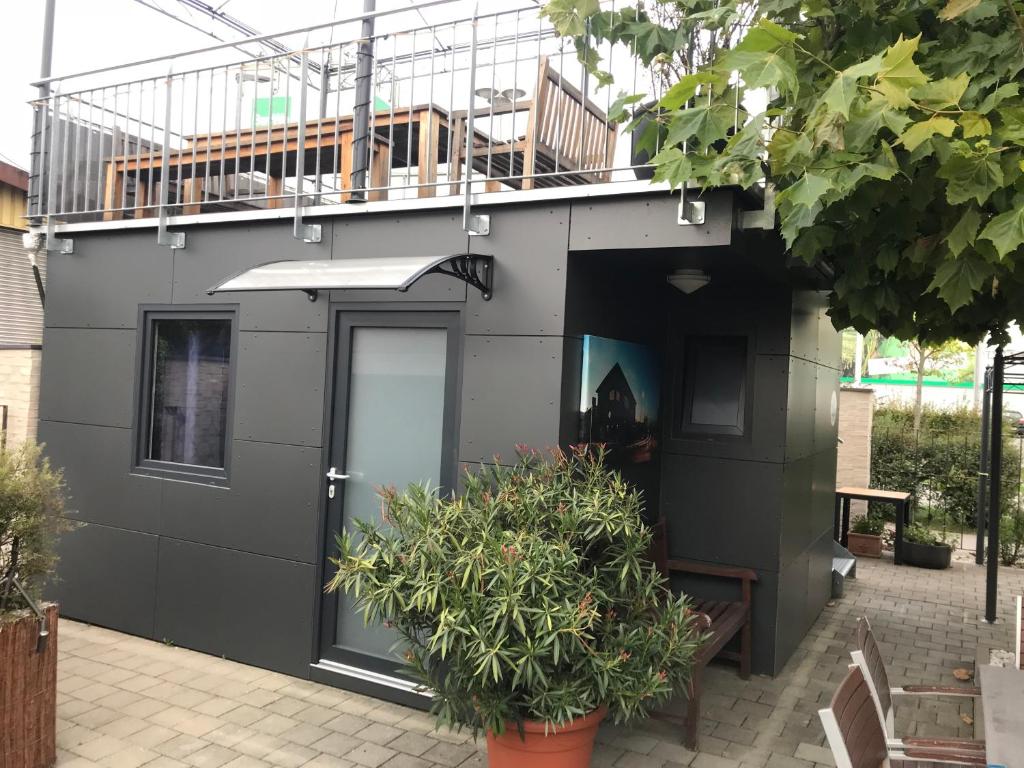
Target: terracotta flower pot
(570, 746)
(864, 544)
(28, 692)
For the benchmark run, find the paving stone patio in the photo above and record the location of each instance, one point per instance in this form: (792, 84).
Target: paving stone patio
(125, 702)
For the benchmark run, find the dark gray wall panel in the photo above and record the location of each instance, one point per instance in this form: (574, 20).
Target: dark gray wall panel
(88, 376)
(103, 282)
(819, 576)
(279, 388)
(801, 409)
(826, 408)
(215, 253)
(807, 307)
(830, 343)
(797, 528)
(722, 511)
(648, 222)
(250, 608)
(271, 507)
(423, 234)
(530, 263)
(511, 393)
(793, 609)
(107, 576)
(101, 489)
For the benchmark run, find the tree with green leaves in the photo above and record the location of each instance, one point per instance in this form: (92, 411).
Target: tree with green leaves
(893, 132)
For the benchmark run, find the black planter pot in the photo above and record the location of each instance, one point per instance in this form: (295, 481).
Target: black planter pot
(927, 555)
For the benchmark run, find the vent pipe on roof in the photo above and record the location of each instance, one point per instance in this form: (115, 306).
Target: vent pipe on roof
(361, 114)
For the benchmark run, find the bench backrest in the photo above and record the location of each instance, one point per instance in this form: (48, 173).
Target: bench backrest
(852, 727)
(568, 124)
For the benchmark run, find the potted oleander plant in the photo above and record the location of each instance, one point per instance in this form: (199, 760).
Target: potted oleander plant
(926, 548)
(526, 604)
(31, 509)
(865, 536)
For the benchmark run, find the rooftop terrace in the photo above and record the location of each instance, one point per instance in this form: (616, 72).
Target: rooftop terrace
(415, 105)
(125, 702)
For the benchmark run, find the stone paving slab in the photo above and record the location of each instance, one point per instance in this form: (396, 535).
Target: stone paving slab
(125, 702)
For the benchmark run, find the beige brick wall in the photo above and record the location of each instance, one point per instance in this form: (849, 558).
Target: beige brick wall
(19, 391)
(856, 411)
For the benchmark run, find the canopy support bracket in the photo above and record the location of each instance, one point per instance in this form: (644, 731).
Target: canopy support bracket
(474, 270)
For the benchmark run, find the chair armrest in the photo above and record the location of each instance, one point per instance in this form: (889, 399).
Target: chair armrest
(943, 757)
(936, 690)
(957, 745)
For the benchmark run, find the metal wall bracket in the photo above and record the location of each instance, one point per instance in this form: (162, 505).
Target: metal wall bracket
(475, 271)
(307, 233)
(691, 212)
(764, 218)
(478, 225)
(56, 244)
(173, 240)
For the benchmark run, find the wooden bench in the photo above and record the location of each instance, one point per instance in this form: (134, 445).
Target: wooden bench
(722, 619)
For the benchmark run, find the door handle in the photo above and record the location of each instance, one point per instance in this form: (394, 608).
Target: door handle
(333, 475)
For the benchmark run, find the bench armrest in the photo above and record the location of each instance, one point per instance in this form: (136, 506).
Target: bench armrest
(709, 569)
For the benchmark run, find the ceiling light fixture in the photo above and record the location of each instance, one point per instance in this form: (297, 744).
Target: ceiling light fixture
(688, 280)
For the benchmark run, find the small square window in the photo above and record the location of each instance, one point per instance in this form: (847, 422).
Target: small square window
(186, 397)
(715, 385)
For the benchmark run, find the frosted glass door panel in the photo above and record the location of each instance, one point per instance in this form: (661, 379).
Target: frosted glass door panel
(394, 438)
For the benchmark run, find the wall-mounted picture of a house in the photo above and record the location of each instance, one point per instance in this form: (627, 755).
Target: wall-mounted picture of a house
(619, 402)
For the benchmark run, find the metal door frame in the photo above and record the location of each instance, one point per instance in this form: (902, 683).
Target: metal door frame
(328, 663)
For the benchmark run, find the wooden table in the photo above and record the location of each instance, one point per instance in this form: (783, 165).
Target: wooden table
(899, 499)
(326, 148)
(1002, 697)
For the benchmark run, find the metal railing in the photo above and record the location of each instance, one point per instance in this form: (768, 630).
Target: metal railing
(497, 101)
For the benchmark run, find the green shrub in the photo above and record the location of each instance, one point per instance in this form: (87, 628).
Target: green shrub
(921, 534)
(940, 465)
(31, 507)
(869, 525)
(1011, 539)
(529, 596)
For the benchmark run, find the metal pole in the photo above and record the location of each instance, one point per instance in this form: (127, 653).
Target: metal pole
(39, 115)
(992, 577)
(361, 113)
(981, 514)
(979, 374)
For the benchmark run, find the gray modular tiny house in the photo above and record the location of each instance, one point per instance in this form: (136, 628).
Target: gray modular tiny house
(385, 386)
(213, 444)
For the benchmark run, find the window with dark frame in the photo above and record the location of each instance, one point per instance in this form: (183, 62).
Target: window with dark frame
(185, 403)
(714, 385)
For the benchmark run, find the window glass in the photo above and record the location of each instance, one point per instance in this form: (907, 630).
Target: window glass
(715, 378)
(188, 399)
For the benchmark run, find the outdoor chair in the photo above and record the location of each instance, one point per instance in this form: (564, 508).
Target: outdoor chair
(858, 740)
(868, 658)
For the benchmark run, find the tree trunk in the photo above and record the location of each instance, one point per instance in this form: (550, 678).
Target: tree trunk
(918, 396)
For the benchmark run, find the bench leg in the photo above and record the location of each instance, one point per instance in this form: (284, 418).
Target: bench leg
(745, 650)
(693, 712)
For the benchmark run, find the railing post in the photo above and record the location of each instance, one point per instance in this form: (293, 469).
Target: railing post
(472, 223)
(174, 240)
(362, 115)
(307, 233)
(53, 243)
